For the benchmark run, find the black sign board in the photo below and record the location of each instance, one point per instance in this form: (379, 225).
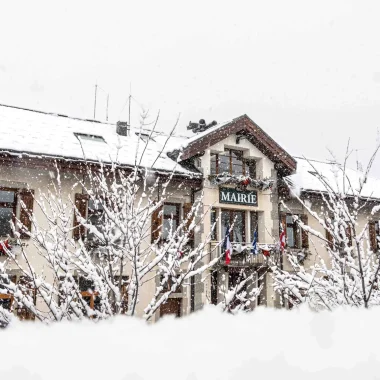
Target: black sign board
(233, 196)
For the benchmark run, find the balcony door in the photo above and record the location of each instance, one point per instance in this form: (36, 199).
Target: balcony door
(237, 234)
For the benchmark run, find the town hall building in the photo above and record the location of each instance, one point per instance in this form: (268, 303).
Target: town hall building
(236, 165)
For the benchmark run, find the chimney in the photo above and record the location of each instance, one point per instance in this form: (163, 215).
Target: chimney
(122, 128)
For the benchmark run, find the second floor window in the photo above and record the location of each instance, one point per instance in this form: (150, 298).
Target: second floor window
(237, 218)
(232, 162)
(7, 210)
(295, 236)
(170, 220)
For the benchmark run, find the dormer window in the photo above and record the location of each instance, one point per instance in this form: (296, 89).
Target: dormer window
(232, 162)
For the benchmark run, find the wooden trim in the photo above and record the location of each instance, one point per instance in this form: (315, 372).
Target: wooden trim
(13, 159)
(254, 134)
(372, 236)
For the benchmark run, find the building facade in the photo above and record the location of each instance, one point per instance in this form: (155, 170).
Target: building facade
(236, 166)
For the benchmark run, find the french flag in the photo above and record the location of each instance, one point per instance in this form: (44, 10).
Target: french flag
(282, 240)
(228, 246)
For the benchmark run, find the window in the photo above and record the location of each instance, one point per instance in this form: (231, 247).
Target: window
(166, 220)
(88, 293)
(169, 283)
(291, 232)
(9, 199)
(93, 212)
(170, 220)
(232, 162)
(89, 138)
(95, 216)
(93, 146)
(8, 205)
(295, 236)
(331, 239)
(214, 235)
(237, 234)
(145, 137)
(374, 235)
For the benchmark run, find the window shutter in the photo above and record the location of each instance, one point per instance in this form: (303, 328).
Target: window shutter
(81, 204)
(156, 224)
(297, 232)
(27, 197)
(372, 236)
(349, 235)
(186, 211)
(330, 239)
(304, 234)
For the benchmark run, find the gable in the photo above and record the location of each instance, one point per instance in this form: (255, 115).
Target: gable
(243, 128)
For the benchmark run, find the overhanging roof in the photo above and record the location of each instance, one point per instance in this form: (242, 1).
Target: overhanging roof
(242, 125)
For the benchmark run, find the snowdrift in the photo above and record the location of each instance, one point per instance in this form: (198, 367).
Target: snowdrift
(266, 344)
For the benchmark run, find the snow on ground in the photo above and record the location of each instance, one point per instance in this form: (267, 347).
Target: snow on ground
(267, 344)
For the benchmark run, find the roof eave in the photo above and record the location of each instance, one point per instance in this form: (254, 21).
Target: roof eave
(243, 122)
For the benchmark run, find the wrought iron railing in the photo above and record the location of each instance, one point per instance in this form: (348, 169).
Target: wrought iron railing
(241, 254)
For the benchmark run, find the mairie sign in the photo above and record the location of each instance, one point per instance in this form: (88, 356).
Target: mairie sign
(233, 196)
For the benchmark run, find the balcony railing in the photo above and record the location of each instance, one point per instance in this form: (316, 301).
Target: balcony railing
(241, 254)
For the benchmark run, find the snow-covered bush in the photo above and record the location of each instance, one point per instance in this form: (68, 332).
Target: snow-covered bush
(350, 275)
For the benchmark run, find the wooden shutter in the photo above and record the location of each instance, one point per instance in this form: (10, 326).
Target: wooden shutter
(27, 197)
(156, 224)
(330, 239)
(372, 236)
(81, 204)
(187, 207)
(304, 234)
(349, 235)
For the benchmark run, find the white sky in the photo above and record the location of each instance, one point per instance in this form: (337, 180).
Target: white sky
(308, 72)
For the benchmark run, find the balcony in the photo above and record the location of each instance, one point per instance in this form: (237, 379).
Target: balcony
(241, 254)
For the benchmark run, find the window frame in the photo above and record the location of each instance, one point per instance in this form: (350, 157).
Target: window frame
(232, 213)
(301, 236)
(12, 205)
(176, 217)
(245, 163)
(295, 228)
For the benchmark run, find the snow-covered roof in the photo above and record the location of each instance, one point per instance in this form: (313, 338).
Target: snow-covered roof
(43, 134)
(305, 179)
(201, 135)
(243, 126)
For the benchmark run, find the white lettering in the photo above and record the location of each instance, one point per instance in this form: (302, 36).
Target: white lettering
(244, 198)
(225, 197)
(233, 198)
